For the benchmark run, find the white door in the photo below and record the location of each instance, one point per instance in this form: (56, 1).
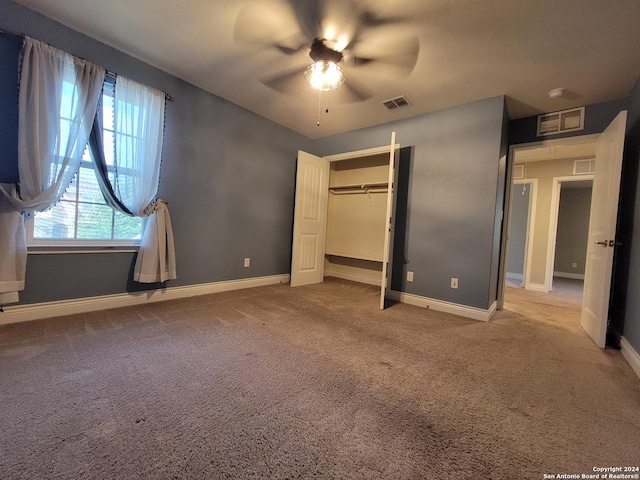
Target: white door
(389, 224)
(602, 229)
(309, 220)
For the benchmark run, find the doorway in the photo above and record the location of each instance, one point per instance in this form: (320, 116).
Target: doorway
(350, 226)
(607, 171)
(550, 195)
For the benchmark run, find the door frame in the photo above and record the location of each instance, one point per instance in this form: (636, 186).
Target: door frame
(553, 223)
(531, 215)
(574, 140)
(387, 254)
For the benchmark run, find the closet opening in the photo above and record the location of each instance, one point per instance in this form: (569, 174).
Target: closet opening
(356, 218)
(344, 217)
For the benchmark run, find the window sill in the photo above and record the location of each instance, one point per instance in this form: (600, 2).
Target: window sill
(67, 249)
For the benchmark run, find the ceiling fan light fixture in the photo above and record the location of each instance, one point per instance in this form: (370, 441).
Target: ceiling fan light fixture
(324, 75)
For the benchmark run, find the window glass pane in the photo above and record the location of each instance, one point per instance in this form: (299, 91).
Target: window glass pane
(67, 101)
(126, 227)
(108, 146)
(57, 223)
(94, 221)
(107, 112)
(89, 188)
(122, 185)
(126, 147)
(65, 127)
(82, 213)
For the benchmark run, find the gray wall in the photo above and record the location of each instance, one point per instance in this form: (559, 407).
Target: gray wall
(227, 173)
(573, 230)
(229, 177)
(628, 261)
(518, 227)
(455, 187)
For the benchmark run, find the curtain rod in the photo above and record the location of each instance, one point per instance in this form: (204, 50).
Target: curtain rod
(109, 73)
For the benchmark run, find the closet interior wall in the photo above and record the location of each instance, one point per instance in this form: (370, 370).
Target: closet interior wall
(356, 218)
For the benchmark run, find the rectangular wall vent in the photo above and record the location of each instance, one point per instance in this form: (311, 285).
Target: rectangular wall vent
(397, 102)
(518, 172)
(582, 167)
(560, 122)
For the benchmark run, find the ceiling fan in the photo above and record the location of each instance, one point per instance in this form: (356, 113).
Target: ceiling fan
(330, 43)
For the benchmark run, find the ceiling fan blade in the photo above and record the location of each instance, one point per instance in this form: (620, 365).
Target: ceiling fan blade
(335, 21)
(370, 20)
(396, 58)
(307, 14)
(288, 83)
(271, 23)
(292, 83)
(351, 91)
(339, 23)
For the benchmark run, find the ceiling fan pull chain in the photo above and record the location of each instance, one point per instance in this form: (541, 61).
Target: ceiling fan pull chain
(319, 106)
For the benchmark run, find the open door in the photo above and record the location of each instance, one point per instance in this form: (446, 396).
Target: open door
(388, 246)
(309, 220)
(602, 229)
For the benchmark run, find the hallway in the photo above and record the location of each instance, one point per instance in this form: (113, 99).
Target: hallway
(561, 306)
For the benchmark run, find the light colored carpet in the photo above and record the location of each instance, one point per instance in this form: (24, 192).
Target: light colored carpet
(311, 382)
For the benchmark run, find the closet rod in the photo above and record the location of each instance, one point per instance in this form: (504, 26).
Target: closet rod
(360, 186)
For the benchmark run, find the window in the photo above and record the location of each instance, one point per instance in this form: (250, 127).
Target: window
(82, 217)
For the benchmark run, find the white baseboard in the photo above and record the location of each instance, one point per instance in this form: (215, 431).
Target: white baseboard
(355, 277)
(630, 355)
(536, 287)
(23, 313)
(575, 276)
(447, 307)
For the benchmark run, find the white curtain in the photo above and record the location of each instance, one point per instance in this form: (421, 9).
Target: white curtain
(139, 129)
(57, 103)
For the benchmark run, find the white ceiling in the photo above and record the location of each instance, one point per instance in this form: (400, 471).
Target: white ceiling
(469, 50)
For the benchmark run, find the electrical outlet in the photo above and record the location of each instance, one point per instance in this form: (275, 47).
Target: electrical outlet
(454, 282)
(247, 262)
(575, 265)
(409, 276)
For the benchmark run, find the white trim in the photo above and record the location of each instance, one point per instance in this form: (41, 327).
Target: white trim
(23, 313)
(574, 140)
(447, 307)
(355, 277)
(575, 276)
(360, 153)
(630, 355)
(60, 250)
(537, 287)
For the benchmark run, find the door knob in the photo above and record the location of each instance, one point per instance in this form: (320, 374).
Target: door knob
(604, 243)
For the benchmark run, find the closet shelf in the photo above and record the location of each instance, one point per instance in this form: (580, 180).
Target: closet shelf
(360, 188)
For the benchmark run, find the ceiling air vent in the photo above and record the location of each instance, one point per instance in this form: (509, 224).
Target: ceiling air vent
(397, 102)
(560, 122)
(583, 167)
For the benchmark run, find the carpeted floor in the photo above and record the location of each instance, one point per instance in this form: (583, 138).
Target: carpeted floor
(312, 382)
